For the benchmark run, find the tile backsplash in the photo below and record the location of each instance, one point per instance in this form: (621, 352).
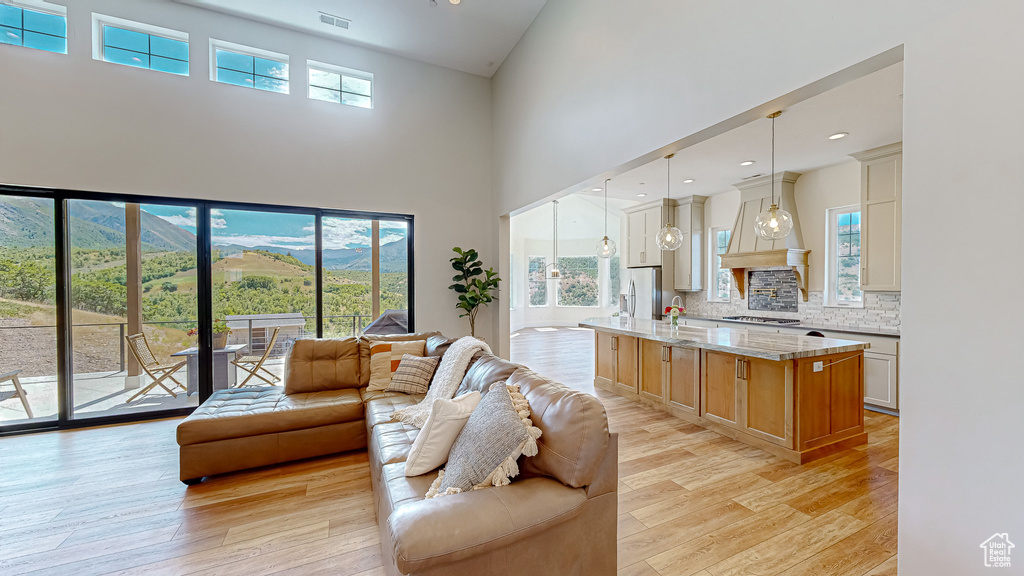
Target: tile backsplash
(881, 310)
(772, 290)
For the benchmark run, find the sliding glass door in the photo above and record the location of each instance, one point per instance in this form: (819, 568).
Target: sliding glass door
(134, 305)
(264, 292)
(116, 308)
(28, 313)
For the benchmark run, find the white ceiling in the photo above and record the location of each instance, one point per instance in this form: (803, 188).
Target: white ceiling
(870, 109)
(474, 36)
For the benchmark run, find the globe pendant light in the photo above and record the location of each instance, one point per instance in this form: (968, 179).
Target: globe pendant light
(669, 237)
(774, 223)
(606, 246)
(554, 273)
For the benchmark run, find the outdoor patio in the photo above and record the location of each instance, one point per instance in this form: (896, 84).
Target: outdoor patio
(104, 394)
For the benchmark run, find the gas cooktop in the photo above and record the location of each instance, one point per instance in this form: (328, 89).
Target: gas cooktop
(761, 320)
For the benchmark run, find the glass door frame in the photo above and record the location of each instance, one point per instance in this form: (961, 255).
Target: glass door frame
(204, 288)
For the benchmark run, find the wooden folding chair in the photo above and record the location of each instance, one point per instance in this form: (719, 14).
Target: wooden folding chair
(157, 371)
(18, 390)
(253, 364)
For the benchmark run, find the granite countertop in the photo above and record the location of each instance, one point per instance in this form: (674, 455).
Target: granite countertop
(767, 345)
(891, 332)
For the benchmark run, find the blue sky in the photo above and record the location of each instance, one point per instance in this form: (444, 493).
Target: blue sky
(280, 230)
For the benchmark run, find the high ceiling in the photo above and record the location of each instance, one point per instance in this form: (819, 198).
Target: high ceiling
(870, 109)
(474, 36)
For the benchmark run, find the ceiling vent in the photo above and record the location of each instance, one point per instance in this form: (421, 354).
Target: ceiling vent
(332, 20)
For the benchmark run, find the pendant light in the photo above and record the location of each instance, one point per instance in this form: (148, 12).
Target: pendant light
(669, 237)
(554, 273)
(606, 246)
(774, 223)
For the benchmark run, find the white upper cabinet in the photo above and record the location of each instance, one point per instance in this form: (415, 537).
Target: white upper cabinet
(881, 206)
(689, 270)
(642, 226)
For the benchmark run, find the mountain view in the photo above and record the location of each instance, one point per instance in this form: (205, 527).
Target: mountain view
(263, 263)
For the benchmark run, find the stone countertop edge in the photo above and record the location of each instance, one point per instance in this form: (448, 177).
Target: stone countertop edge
(768, 346)
(886, 332)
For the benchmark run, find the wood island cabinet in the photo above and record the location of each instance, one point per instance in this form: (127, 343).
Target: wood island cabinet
(616, 366)
(800, 409)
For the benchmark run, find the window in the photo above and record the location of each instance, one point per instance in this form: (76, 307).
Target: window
(248, 67)
(340, 85)
(842, 269)
(579, 281)
(721, 280)
(140, 45)
(45, 28)
(537, 281)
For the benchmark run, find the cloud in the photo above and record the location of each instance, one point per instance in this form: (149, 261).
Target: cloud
(189, 219)
(346, 233)
(391, 238)
(254, 240)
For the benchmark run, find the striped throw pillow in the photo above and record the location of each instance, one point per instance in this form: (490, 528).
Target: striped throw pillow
(413, 374)
(385, 358)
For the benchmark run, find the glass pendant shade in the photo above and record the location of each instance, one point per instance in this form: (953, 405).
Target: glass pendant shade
(606, 248)
(670, 238)
(773, 224)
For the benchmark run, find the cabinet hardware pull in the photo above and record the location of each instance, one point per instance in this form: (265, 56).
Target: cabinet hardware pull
(664, 353)
(615, 343)
(737, 368)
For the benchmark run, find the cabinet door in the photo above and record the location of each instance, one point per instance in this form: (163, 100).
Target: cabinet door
(604, 354)
(769, 402)
(636, 238)
(652, 370)
(881, 217)
(653, 220)
(720, 392)
(684, 255)
(626, 362)
(684, 379)
(881, 380)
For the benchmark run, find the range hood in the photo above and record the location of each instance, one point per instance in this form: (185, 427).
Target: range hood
(746, 250)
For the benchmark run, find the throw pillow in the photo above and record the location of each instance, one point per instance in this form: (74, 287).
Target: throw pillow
(486, 450)
(434, 442)
(385, 358)
(413, 374)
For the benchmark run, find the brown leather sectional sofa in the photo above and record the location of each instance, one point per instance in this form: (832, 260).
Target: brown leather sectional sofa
(558, 517)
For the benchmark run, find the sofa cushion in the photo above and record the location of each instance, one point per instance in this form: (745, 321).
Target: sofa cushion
(434, 442)
(364, 348)
(413, 374)
(324, 364)
(238, 413)
(393, 441)
(380, 405)
(438, 345)
(486, 369)
(399, 490)
(574, 426)
(494, 433)
(386, 357)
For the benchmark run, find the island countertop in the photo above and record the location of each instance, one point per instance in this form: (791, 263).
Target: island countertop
(766, 345)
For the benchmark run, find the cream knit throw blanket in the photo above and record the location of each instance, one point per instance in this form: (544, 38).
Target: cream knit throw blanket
(446, 380)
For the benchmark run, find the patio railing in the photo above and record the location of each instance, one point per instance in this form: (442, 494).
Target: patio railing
(354, 325)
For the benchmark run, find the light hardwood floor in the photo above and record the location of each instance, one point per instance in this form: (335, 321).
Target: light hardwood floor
(108, 500)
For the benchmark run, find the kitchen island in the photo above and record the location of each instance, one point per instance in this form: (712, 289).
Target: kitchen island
(798, 397)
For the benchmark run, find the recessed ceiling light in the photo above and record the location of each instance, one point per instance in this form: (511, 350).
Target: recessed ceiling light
(596, 189)
(641, 195)
(746, 163)
(455, 1)
(688, 181)
(838, 135)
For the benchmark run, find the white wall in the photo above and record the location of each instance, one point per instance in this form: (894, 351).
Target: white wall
(815, 192)
(425, 148)
(687, 65)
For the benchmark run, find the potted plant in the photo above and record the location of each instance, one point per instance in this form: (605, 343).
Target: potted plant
(473, 290)
(220, 334)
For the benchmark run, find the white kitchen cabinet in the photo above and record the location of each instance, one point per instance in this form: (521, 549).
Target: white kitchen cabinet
(881, 380)
(881, 214)
(642, 226)
(689, 218)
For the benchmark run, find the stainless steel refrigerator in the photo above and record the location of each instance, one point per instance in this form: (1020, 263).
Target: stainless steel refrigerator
(642, 297)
